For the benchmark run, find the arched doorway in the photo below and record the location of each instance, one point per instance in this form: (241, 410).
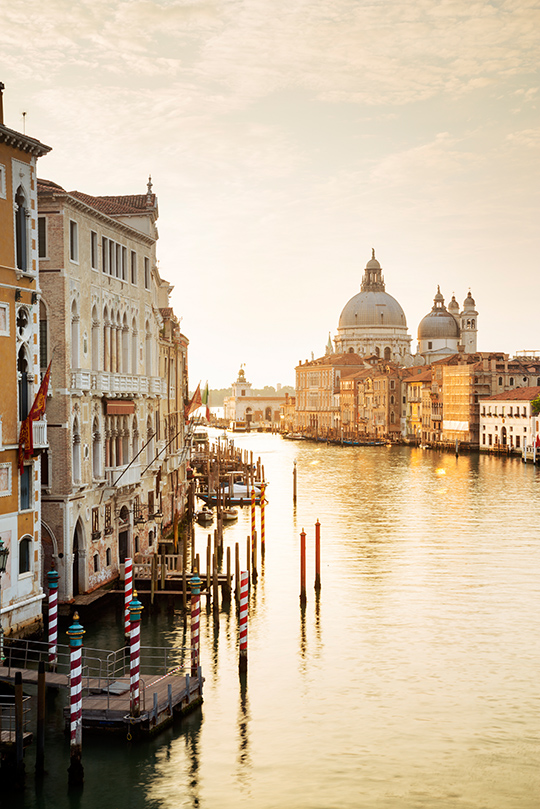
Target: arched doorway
(503, 436)
(268, 414)
(48, 553)
(78, 559)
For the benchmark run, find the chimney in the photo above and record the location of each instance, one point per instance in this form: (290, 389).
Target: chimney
(2, 85)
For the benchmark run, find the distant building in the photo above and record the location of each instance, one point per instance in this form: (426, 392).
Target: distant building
(254, 411)
(507, 420)
(20, 500)
(373, 323)
(443, 332)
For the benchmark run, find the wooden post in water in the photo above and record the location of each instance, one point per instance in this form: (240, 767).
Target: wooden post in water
(244, 598)
(317, 556)
(19, 730)
(237, 572)
(294, 483)
(254, 572)
(227, 589)
(75, 769)
(215, 585)
(40, 735)
(263, 525)
(303, 597)
(248, 555)
(208, 563)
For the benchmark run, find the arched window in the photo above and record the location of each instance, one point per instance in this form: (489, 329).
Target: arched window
(76, 452)
(135, 437)
(351, 350)
(125, 346)
(24, 383)
(95, 340)
(75, 361)
(96, 562)
(108, 557)
(377, 351)
(25, 555)
(96, 449)
(387, 353)
(511, 380)
(21, 229)
(125, 441)
(118, 344)
(148, 357)
(134, 347)
(392, 416)
(500, 380)
(106, 346)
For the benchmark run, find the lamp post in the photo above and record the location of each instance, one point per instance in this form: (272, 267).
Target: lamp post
(4, 553)
(158, 519)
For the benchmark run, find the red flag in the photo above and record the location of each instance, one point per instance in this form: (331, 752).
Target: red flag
(26, 436)
(195, 402)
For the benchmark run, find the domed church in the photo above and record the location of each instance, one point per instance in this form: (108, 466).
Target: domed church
(373, 322)
(444, 331)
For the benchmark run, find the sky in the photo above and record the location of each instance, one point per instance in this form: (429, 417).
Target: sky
(285, 139)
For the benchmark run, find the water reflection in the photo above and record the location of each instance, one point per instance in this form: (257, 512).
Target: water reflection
(244, 768)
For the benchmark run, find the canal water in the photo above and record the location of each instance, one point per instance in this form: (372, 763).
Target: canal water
(411, 682)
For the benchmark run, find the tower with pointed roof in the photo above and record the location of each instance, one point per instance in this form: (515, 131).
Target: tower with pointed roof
(445, 331)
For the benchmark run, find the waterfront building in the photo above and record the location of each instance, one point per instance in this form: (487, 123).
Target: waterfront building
(101, 320)
(509, 420)
(20, 501)
(372, 322)
(318, 388)
(418, 390)
(443, 332)
(287, 414)
(254, 411)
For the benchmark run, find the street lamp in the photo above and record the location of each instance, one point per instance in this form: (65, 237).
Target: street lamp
(4, 553)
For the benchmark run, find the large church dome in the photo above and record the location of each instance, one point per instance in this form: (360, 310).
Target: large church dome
(373, 322)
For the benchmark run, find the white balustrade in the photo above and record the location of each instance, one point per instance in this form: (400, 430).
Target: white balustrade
(40, 434)
(123, 475)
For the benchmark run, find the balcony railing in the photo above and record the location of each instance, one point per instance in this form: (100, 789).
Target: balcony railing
(113, 383)
(123, 475)
(40, 434)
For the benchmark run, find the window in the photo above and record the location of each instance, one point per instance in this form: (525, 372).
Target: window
(42, 237)
(73, 241)
(108, 519)
(26, 499)
(112, 257)
(76, 453)
(108, 557)
(124, 263)
(500, 380)
(25, 556)
(105, 254)
(484, 438)
(133, 267)
(96, 563)
(21, 231)
(518, 439)
(94, 249)
(430, 345)
(118, 261)
(44, 467)
(511, 380)
(43, 336)
(147, 273)
(2, 181)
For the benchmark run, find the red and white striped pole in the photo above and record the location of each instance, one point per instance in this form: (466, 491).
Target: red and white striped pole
(253, 537)
(52, 578)
(135, 609)
(128, 594)
(244, 598)
(75, 769)
(195, 584)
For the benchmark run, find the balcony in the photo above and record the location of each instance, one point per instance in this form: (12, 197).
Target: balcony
(122, 384)
(81, 380)
(40, 434)
(118, 476)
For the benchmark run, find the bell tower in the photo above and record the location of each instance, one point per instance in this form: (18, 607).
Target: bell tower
(468, 320)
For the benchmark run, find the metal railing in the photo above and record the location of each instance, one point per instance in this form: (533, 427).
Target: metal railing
(7, 717)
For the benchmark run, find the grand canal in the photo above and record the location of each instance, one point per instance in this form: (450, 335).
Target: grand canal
(412, 681)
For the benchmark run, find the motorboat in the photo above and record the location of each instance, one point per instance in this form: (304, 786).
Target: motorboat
(204, 516)
(229, 514)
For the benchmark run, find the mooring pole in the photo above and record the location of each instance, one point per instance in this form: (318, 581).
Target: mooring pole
(40, 736)
(263, 524)
(303, 597)
(237, 572)
(52, 578)
(294, 483)
(19, 730)
(195, 584)
(244, 598)
(253, 516)
(128, 594)
(135, 609)
(317, 556)
(75, 769)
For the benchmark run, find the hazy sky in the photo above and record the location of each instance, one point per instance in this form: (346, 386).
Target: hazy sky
(285, 139)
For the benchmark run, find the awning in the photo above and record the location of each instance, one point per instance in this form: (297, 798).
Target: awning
(119, 407)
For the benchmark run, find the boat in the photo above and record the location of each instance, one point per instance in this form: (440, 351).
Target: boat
(229, 514)
(205, 515)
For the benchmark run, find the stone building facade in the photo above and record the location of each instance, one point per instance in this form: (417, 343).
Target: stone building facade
(105, 475)
(20, 502)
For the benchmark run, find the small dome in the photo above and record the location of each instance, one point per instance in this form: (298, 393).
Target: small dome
(439, 324)
(453, 306)
(469, 302)
(373, 264)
